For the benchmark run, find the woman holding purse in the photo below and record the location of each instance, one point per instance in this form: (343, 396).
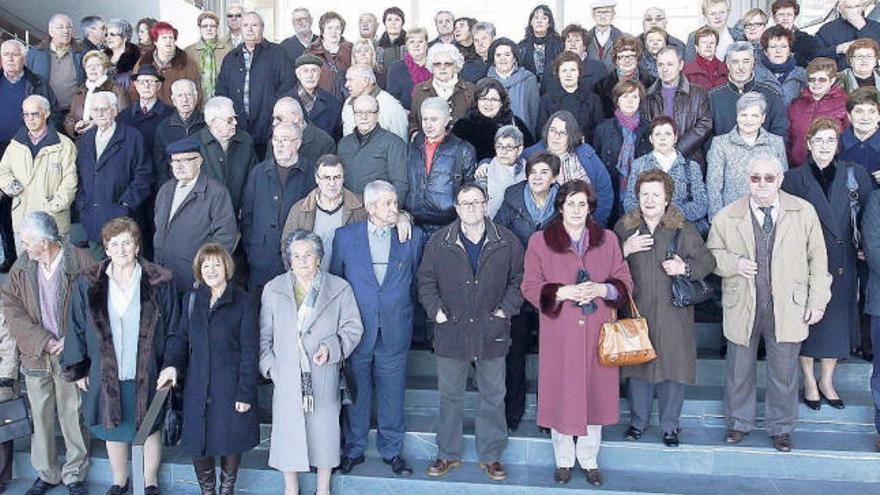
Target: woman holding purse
(647, 234)
(575, 274)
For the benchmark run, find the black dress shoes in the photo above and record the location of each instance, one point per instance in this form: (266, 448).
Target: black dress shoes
(594, 476)
(835, 403)
(398, 465)
(348, 463)
(782, 442)
(632, 434)
(39, 487)
(671, 439)
(562, 475)
(118, 490)
(813, 404)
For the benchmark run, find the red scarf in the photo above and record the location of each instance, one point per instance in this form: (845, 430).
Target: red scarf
(417, 73)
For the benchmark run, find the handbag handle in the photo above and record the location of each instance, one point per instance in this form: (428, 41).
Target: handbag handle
(632, 308)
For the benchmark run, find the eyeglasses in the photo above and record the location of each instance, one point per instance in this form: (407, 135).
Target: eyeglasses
(227, 120)
(443, 64)
(557, 132)
(114, 35)
(364, 113)
(506, 147)
(753, 25)
(823, 142)
(146, 81)
(31, 115)
(284, 141)
(818, 79)
(233, 16)
(658, 18)
(864, 58)
(719, 14)
(208, 26)
(330, 178)
(467, 205)
(629, 57)
(767, 178)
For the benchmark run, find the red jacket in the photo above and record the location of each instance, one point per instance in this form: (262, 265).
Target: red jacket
(801, 113)
(698, 75)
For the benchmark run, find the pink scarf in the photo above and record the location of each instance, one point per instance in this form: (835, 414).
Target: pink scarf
(417, 73)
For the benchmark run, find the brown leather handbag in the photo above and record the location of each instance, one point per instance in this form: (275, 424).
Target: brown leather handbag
(625, 342)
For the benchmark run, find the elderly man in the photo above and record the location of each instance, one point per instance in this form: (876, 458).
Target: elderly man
(272, 188)
(146, 113)
(227, 152)
(740, 62)
(34, 298)
(459, 295)
(327, 207)
(603, 35)
(315, 142)
(438, 164)
(303, 37)
(254, 74)
(58, 61)
(371, 153)
(836, 36)
(770, 254)
(93, 30)
(361, 80)
(444, 21)
(17, 83)
(656, 17)
(368, 25)
(806, 46)
(38, 169)
(322, 108)
(192, 210)
(114, 170)
(476, 68)
(186, 121)
(233, 25)
(689, 104)
(385, 300)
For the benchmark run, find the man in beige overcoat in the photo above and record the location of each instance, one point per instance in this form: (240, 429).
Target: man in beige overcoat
(771, 257)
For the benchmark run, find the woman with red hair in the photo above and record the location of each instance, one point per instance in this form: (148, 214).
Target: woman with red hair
(171, 62)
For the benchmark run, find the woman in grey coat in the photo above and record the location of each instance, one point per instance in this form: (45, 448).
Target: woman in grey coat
(309, 323)
(728, 160)
(521, 85)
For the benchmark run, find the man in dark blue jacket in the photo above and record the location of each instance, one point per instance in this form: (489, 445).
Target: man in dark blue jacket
(381, 271)
(837, 35)
(253, 75)
(321, 108)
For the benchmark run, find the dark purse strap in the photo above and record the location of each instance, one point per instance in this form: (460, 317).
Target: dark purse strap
(852, 185)
(672, 247)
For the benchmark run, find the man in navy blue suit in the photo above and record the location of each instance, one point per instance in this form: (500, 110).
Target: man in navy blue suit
(382, 279)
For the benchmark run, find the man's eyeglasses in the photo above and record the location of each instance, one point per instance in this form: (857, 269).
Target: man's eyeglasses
(233, 16)
(767, 178)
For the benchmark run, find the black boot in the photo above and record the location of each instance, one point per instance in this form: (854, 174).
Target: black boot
(229, 473)
(206, 474)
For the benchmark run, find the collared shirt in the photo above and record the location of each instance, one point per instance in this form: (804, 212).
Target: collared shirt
(246, 87)
(48, 272)
(124, 310)
(15, 79)
(379, 239)
(665, 161)
(756, 210)
(102, 139)
(181, 191)
(145, 108)
(602, 38)
(36, 138)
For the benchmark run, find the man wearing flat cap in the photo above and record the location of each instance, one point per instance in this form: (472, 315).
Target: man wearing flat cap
(603, 35)
(191, 209)
(321, 108)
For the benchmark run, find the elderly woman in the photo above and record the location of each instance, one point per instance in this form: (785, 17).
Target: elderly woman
(542, 43)
(332, 48)
(208, 52)
(821, 98)
(653, 40)
(727, 170)
(123, 53)
(392, 43)
(172, 62)
(309, 323)
(143, 34)
(706, 70)
(404, 74)
(562, 137)
(444, 62)
(623, 138)
(505, 169)
(862, 56)
(527, 206)
(363, 52)
(79, 118)
(625, 54)
(521, 85)
(490, 113)
(716, 14)
(645, 235)
(570, 94)
(216, 347)
(689, 194)
(830, 184)
(575, 274)
(776, 65)
(120, 313)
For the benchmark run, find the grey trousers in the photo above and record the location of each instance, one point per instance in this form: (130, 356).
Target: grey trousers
(781, 403)
(490, 422)
(670, 398)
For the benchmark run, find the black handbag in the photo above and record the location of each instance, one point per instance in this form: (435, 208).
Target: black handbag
(686, 292)
(172, 425)
(346, 397)
(15, 419)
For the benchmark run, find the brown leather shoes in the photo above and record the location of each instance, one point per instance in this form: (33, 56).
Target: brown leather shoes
(782, 442)
(562, 475)
(594, 476)
(440, 467)
(495, 471)
(734, 436)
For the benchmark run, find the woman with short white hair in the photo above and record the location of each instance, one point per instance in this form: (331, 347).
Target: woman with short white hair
(444, 62)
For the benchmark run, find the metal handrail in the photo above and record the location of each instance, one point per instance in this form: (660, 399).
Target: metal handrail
(832, 13)
(137, 446)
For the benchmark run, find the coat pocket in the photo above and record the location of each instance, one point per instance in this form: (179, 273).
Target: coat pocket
(731, 293)
(799, 294)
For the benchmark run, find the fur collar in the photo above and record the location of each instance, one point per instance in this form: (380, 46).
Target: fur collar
(178, 61)
(558, 241)
(672, 219)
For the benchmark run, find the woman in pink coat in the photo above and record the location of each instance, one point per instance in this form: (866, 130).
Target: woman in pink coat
(575, 273)
(821, 98)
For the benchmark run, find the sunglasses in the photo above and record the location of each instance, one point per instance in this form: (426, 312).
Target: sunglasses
(233, 16)
(767, 178)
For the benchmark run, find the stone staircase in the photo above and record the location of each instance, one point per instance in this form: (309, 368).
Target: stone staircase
(833, 449)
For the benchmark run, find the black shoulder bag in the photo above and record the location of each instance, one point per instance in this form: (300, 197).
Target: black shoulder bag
(686, 292)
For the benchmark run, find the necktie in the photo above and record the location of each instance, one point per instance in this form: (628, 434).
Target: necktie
(768, 219)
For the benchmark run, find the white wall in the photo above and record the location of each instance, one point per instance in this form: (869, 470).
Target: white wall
(38, 12)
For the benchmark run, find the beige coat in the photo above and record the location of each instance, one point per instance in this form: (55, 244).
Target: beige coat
(194, 52)
(799, 271)
(302, 214)
(49, 179)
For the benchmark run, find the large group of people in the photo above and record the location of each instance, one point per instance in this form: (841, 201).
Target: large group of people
(306, 211)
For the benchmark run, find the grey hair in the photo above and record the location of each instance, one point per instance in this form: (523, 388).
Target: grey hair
(444, 49)
(257, 15)
(369, 98)
(176, 86)
(293, 103)
(364, 71)
(108, 96)
(122, 25)
(301, 9)
(436, 103)
(41, 101)
(752, 98)
(56, 17)
(373, 189)
(304, 235)
(21, 46)
(763, 157)
(215, 106)
(365, 45)
(443, 12)
(296, 129)
(739, 47)
(484, 26)
(510, 131)
(42, 224)
(668, 49)
(88, 22)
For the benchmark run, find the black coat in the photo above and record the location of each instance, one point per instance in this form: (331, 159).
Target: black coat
(216, 350)
(553, 46)
(326, 113)
(400, 84)
(606, 85)
(230, 168)
(583, 104)
(480, 131)
(430, 197)
(169, 131)
(146, 123)
(722, 104)
(806, 47)
(840, 31)
(592, 71)
(514, 216)
(608, 141)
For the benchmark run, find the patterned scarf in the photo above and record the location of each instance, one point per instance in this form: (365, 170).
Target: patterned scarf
(91, 87)
(305, 307)
(445, 89)
(570, 169)
(417, 73)
(628, 125)
(208, 68)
